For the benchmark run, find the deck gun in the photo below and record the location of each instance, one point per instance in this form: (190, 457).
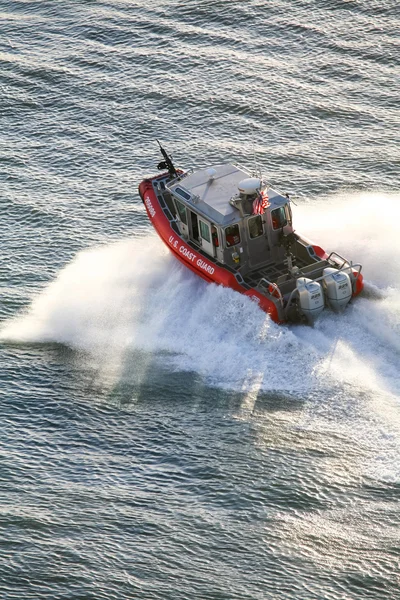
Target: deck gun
(166, 163)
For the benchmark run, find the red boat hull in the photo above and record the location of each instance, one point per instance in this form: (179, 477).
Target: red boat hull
(197, 262)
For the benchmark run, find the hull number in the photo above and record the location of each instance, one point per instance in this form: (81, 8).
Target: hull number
(149, 206)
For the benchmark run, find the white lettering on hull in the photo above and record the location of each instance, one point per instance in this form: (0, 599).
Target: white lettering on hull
(190, 255)
(187, 254)
(206, 267)
(173, 241)
(149, 206)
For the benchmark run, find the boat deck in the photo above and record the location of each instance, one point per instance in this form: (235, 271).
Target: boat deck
(271, 271)
(278, 273)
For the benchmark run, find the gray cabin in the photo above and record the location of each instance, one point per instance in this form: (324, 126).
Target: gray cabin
(215, 213)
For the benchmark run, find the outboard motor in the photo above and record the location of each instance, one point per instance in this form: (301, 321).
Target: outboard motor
(311, 298)
(337, 286)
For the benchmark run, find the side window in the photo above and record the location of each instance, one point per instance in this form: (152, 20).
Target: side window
(255, 227)
(279, 219)
(205, 231)
(182, 211)
(232, 235)
(182, 193)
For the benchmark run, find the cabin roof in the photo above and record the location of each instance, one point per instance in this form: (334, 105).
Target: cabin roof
(210, 196)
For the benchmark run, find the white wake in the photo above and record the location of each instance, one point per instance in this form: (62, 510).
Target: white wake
(133, 295)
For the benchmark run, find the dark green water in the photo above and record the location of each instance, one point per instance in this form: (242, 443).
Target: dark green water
(161, 438)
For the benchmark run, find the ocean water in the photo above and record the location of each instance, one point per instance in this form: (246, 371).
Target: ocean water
(161, 438)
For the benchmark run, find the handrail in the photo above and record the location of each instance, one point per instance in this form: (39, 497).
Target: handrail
(179, 178)
(265, 182)
(350, 265)
(358, 267)
(293, 292)
(347, 264)
(336, 255)
(354, 266)
(264, 282)
(343, 268)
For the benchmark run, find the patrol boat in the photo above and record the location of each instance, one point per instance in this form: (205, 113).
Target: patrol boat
(231, 228)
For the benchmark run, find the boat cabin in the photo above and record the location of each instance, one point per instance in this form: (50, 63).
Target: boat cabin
(215, 209)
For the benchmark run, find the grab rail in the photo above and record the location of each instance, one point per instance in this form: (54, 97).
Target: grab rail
(358, 268)
(264, 282)
(336, 255)
(345, 267)
(346, 264)
(179, 177)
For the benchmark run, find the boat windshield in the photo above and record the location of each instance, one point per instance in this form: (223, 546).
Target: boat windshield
(279, 217)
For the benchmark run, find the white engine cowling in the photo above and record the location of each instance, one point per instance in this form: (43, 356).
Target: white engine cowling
(311, 298)
(338, 289)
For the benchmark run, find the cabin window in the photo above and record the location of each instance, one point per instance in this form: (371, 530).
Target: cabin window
(182, 193)
(182, 211)
(205, 231)
(232, 235)
(255, 227)
(279, 218)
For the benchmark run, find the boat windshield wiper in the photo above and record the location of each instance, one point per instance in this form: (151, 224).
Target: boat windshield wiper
(166, 163)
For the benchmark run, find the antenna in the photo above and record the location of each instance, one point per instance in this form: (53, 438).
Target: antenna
(258, 172)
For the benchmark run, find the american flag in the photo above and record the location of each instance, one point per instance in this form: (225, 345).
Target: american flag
(260, 203)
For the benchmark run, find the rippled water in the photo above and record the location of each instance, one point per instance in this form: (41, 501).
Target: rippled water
(160, 437)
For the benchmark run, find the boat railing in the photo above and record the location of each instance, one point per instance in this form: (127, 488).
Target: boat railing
(337, 258)
(272, 289)
(257, 172)
(181, 176)
(242, 168)
(345, 267)
(355, 269)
